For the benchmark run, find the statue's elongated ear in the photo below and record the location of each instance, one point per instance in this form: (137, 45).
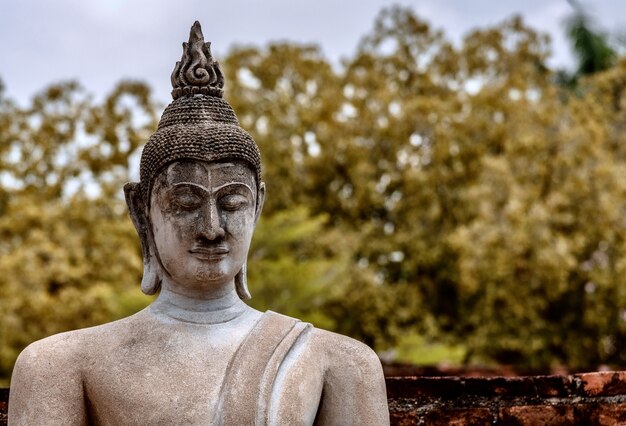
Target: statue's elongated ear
(138, 212)
(241, 279)
(151, 281)
(260, 201)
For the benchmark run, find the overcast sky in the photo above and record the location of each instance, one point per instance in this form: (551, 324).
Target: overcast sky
(99, 42)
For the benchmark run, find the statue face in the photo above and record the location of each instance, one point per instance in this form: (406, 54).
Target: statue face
(203, 216)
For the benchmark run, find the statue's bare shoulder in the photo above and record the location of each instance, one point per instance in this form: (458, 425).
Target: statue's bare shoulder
(65, 353)
(48, 377)
(352, 373)
(346, 375)
(71, 349)
(345, 354)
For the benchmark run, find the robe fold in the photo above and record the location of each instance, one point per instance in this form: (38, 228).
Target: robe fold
(246, 392)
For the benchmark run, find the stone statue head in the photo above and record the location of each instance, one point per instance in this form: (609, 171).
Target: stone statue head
(200, 192)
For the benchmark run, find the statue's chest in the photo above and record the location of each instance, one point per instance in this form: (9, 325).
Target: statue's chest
(164, 384)
(176, 376)
(185, 390)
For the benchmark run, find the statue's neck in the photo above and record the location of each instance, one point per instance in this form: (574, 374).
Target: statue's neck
(187, 309)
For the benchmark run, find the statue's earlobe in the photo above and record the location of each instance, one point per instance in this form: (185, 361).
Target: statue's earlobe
(241, 284)
(151, 281)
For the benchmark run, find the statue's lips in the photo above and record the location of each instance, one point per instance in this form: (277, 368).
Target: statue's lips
(209, 252)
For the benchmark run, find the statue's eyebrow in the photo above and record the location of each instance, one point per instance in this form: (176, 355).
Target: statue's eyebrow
(204, 188)
(233, 184)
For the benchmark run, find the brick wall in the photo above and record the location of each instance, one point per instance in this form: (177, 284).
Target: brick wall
(578, 399)
(4, 405)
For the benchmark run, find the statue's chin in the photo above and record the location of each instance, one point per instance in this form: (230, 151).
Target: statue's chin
(203, 268)
(207, 279)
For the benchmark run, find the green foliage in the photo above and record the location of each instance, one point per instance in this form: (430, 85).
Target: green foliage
(476, 193)
(69, 257)
(414, 349)
(419, 189)
(593, 50)
(295, 266)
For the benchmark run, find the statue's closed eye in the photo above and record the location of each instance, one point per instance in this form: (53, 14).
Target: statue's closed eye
(233, 202)
(186, 199)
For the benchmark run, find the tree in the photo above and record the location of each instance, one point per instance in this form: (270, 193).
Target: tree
(466, 181)
(68, 250)
(591, 46)
(69, 256)
(419, 187)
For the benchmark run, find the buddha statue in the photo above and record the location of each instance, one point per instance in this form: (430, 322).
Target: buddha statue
(198, 354)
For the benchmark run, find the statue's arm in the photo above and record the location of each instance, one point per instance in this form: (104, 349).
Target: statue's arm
(354, 390)
(46, 387)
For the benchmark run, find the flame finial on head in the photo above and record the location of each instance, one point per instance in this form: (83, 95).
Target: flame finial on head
(197, 72)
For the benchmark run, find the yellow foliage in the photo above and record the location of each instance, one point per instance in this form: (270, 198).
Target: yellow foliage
(458, 192)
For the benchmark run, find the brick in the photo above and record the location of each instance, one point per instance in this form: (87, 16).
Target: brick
(424, 389)
(605, 383)
(530, 386)
(602, 414)
(530, 415)
(458, 417)
(553, 386)
(500, 386)
(403, 418)
(4, 406)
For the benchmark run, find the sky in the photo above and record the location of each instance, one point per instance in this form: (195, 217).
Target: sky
(99, 42)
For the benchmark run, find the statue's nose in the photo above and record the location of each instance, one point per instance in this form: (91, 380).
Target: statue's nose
(210, 226)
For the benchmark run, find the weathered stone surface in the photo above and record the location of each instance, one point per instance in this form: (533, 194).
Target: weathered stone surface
(603, 383)
(459, 417)
(581, 399)
(531, 415)
(553, 386)
(4, 406)
(424, 388)
(199, 354)
(604, 413)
